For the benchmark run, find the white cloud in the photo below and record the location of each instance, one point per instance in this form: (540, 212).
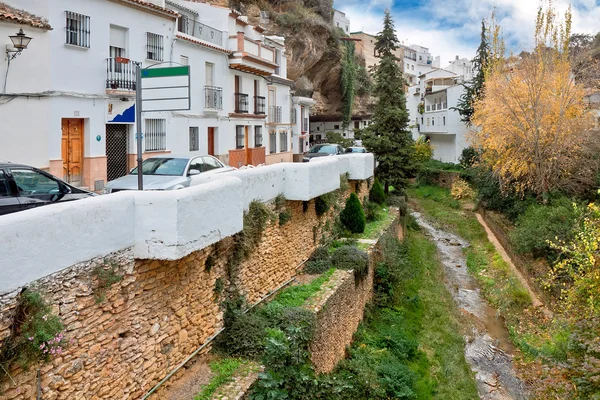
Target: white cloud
(452, 27)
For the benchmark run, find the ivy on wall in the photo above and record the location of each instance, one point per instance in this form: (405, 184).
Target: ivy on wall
(348, 81)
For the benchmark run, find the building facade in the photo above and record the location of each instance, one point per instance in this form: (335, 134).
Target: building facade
(341, 21)
(430, 107)
(78, 79)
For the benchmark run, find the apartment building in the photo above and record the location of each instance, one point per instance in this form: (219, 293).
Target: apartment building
(430, 107)
(321, 124)
(341, 21)
(418, 61)
(77, 78)
(365, 47)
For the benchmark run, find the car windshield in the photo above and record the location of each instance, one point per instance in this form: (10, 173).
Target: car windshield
(163, 166)
(358, 150)
(322, 148)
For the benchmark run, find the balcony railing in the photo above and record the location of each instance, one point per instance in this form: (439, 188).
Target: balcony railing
(213, 98)
(241, 103)
(428, 90)
(202, 31)
(304, 125)
(120, 74)
(259, 105)
(275, 113)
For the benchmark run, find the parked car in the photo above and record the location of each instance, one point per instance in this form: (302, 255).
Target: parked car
(167, 172)
(23, 187)
(323, 150)
(356, 149)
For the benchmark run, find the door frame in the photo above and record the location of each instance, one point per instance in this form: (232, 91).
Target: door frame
(66, 162)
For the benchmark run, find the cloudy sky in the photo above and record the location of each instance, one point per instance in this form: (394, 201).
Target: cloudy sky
(452, 27)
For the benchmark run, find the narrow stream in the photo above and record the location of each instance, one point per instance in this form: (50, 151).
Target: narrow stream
(488, 348)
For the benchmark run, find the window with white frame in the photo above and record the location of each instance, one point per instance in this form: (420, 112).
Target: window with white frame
(77, 29)
(194, 138)
(183, 60)
(444, 120)
(155, 136)
(239, 136)
(154, 46)
(283, 142)
(258, 139)
(272, 142)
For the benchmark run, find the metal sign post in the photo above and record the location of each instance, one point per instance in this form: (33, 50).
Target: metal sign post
(138, 122)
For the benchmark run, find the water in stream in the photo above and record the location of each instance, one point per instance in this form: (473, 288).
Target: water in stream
(488, 348)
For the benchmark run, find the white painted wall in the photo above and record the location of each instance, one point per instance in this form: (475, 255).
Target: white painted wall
(158, 225)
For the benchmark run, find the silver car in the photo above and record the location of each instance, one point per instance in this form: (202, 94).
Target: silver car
(167, 172)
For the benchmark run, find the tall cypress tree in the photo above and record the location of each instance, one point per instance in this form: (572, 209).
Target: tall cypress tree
(474, 89)
(388, 136)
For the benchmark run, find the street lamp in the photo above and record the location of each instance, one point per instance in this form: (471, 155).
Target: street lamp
(20, 42)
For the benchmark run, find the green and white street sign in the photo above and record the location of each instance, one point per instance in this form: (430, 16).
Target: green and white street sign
(166, 88)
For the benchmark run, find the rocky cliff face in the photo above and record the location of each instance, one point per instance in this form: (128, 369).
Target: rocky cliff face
(313, 48)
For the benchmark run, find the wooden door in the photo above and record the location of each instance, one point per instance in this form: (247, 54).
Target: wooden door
(72, 150)
(211, 141)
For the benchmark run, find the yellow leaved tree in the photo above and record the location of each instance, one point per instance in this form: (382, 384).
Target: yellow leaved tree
(531, 123)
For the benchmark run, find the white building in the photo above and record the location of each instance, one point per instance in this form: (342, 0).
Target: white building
(341, 21)
(429, 104)
(77, 78)
(462, 67)
(418, 61)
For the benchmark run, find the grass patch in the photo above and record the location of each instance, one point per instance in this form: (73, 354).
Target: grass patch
(223, 371)
(296, 296)
(375, 228)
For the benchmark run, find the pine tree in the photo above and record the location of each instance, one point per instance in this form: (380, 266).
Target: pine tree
(388, 136)
(474, 89)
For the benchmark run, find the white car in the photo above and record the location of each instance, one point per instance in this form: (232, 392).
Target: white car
(167, 172)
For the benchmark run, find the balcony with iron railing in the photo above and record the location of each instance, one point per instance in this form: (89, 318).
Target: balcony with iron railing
(259, 105)
(120, 74)
(275, 114)
(241, 103)
(213, 98)
(201, 31)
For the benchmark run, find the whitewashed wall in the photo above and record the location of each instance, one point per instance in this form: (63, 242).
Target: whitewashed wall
(157, 225)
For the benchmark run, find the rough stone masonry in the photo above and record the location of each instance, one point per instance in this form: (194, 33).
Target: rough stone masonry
(155, 317)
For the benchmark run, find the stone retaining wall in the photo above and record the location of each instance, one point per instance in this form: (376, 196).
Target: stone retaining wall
(340, 306)
(156, 316)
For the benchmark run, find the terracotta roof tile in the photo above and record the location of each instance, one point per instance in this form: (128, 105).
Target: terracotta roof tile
(11, 14)
(152, 6)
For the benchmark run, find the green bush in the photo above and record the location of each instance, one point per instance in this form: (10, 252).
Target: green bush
(322, 204)
(353, 216)
(36, 334)
(371, 211)
(244, 337)
(543, 223)
(318, 262)
(351, 258)
(377, 194)
(468, 157)
(427, 177)
(284, 217)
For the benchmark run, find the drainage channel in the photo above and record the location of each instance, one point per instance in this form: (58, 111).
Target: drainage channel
(488, 348)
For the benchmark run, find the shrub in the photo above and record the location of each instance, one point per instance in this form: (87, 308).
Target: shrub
(461, 190)
(318, 262)
(541, 224)
(353, 216)
(377, 194)
(107, 275)
(468, 157)
(371, 211)
(426, 177)
(35, 335)
(351, 258)
(244, 337)
(423, 150)
(322, 204)
(284, 217)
